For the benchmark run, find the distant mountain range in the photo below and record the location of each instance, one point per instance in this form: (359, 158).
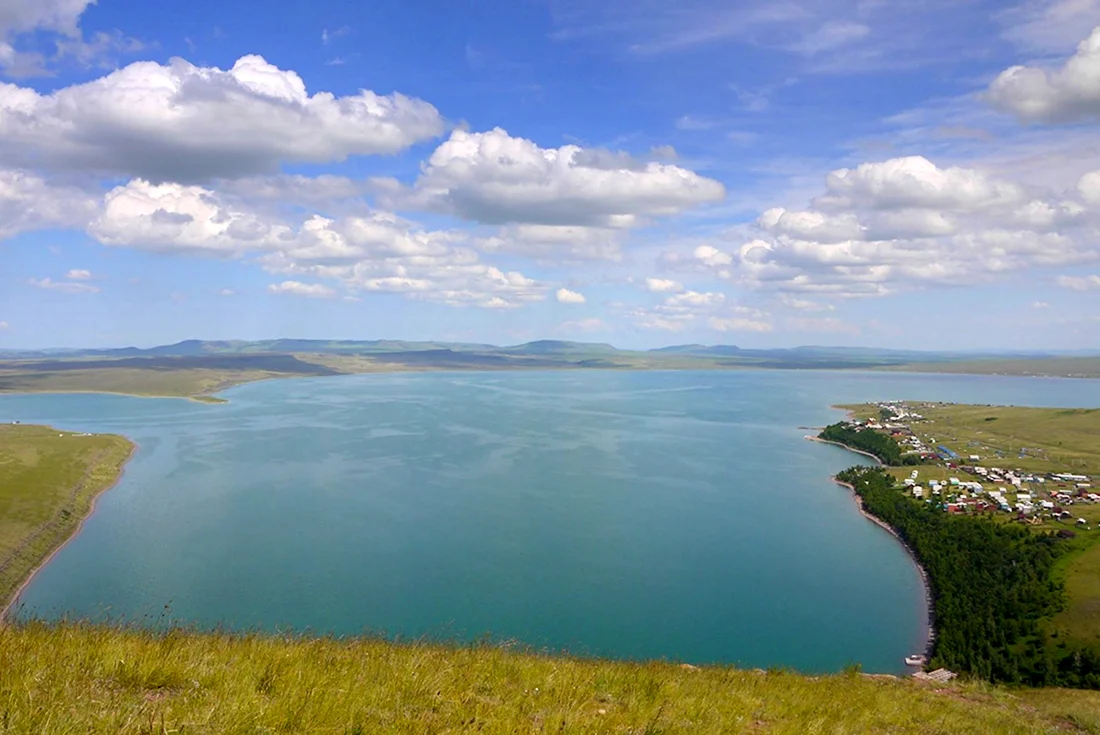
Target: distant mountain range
(446, 352)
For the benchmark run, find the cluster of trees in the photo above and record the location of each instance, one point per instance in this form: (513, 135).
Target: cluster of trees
(868, 440)
(992, 588)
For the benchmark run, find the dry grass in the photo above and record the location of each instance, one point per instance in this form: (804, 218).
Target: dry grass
(73, 678)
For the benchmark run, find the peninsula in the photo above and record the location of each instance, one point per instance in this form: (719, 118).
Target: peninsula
(49, 481)
(998, 506)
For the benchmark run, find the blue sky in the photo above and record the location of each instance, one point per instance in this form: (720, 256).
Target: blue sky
(902, 174)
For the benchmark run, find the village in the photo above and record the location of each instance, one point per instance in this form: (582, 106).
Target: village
(964, 483)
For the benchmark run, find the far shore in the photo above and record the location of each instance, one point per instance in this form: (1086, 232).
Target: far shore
(10, 605)
(208, 399)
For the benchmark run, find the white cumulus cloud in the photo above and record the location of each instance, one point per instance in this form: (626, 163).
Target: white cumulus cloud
(18, 17)
(495, 178)
(1079, 283)
(373, 251)
(63, 286)
(79, 274)
(663, 285)
(180, 122)
(565, 296)
(297, 288)
(175, 217)
(29, 202)
(692, 309)
(556, 242)
(738, 324)
(695, 299)
(905, 223)
(1065, 94)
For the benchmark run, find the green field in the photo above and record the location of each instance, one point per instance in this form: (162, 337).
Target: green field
(48, 482)
(1032, 439)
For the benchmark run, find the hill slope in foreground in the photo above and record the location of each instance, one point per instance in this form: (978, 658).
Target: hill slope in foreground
(76, 678)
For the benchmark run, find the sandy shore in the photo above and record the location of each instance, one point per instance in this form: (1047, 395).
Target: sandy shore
(76, 531)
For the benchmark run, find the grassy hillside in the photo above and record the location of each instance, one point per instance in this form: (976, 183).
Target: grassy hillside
(79, 679)
(48, 482)
(1033, 439)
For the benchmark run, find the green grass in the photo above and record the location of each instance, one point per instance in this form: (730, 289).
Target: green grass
(48, 482)
(73, 678)
(1080, 620)
(1051, 439)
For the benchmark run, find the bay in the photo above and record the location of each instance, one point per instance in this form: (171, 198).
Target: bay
(675, 515)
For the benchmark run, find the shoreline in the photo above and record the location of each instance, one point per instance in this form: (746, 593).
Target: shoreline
(22, 586)
(92, 392)
(818, 439)
(930, 611)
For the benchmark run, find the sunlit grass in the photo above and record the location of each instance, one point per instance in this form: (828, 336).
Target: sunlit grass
(74, 678)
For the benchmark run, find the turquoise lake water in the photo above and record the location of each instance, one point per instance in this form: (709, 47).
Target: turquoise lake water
(674, 515)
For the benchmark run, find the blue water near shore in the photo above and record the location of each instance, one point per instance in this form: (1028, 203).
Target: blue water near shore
(670, 515)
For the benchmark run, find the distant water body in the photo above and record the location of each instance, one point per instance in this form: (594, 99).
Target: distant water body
(674, 515)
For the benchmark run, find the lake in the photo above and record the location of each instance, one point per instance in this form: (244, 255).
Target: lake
(675, 515)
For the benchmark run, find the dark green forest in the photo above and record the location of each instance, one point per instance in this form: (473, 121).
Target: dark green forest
(992, 589)
(868, 440)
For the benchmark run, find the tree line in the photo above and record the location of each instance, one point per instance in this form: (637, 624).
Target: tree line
(992, 589)
(874, 442)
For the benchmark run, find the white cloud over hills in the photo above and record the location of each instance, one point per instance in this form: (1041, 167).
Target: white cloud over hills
(374, 251)
(906, 223)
